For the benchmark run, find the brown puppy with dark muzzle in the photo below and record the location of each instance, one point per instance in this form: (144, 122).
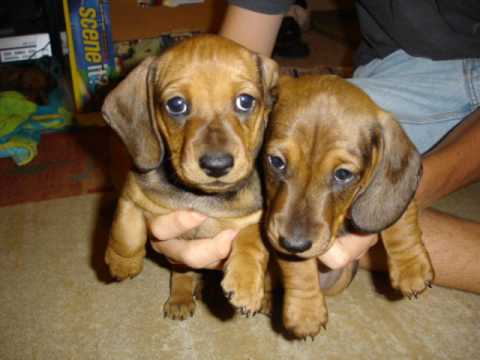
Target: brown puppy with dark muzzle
(338, 163)
(193, 121)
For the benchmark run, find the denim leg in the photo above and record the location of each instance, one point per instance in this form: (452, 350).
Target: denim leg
(427, 97)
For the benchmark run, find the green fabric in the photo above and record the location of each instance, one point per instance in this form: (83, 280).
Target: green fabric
(14, 110)
(22, 123)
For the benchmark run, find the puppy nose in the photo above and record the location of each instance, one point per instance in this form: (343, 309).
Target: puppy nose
(216, 164)
(295, 245)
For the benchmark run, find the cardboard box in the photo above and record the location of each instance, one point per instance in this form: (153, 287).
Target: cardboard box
(131, 21)
(103, 35)
(91, 51)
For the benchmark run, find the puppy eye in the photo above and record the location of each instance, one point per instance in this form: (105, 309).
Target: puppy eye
(244, 102)
(177, 106)
(277, 163)
(343, 176)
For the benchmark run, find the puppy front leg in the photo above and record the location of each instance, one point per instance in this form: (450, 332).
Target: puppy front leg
(244, 272)
(181, 304)
(409, 264)
(126, 246)
(272, 282)
(304, 308)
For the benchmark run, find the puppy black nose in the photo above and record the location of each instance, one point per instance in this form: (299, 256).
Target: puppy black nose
(216, 164)
(295, 245)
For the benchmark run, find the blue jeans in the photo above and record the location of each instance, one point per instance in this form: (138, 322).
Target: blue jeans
(428, 98)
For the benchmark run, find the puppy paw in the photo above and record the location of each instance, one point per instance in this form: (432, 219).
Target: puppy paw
(304, 317)
(243, 285)
(179, 308)
(122, 268)
(412, 277)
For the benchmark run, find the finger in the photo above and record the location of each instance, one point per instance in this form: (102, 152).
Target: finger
(198, 253)
(172, 225)
(216, 265)
(357, 245)
(336, 257)
(347, 249)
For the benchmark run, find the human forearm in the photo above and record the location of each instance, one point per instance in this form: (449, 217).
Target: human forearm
(254, 30)
(453, 245)
(452, 164)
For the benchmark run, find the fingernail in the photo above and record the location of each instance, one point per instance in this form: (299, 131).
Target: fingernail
(335, 257)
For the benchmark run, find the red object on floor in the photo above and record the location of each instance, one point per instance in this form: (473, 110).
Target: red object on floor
(68, 164)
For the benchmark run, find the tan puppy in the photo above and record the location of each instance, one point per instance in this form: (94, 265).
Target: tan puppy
(336, 162)
(193, 121)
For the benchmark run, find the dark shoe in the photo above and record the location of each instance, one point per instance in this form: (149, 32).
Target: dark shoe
(289, 40)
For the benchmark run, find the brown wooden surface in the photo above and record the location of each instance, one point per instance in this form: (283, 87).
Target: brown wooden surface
(130, 21)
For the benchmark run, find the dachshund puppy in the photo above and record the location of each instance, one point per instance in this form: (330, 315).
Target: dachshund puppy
(193, 122)
(336, 163)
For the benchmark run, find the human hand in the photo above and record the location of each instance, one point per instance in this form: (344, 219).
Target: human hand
(199, 253)
(211, 253)
(346, 249)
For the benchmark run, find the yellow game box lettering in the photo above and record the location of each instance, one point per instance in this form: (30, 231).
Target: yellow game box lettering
(90, 35)
(87, 12)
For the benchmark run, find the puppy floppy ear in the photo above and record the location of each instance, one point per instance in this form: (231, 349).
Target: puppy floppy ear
(392, 181)
(128, 109)
(268, 69)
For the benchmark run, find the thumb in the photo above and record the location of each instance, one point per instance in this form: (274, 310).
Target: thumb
(336, 257)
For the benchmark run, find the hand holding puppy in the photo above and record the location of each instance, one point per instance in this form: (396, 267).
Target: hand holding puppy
(211, 253)
(208, 253)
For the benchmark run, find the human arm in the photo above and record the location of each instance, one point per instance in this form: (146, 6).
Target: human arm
(453, 164)
(254, 30)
